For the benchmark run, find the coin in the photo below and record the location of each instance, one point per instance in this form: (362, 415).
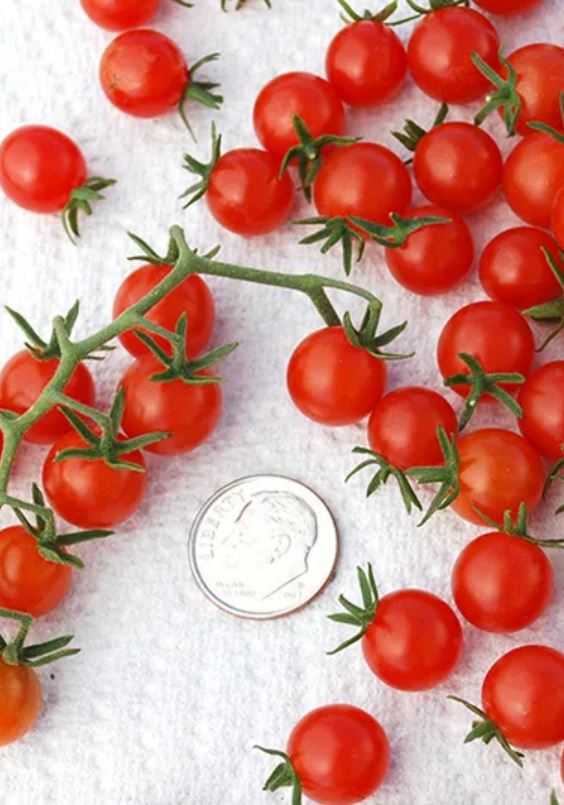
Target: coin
(263, 546)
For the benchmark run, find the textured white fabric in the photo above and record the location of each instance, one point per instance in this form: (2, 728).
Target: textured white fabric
(168, 696)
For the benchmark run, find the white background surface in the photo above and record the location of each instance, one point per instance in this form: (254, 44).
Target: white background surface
(168, 696)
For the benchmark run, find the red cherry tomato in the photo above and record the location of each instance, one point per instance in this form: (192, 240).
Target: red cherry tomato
(540, 71)
(191, 297)
(345, 183)
(23, 379)
(436, 258)
(333, 382)
(439, 54)
(502, 583)
(118, 15)
(403, 427)
(28, 582)
(523, 694)
(245, 193)
(514, 270)
(40, 167)
(303, 94)
(366, 63)
(91, 494)
(533, 175)
(340, 753)
(557, 218)
(498, 471)
(542, 401)
(144, 73)
(507, 6)
(458, 166)
(20, 701)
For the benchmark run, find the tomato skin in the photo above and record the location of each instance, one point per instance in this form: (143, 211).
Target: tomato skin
(540, 71)
(245, 193)
(507, 6)
(557, 217)
(458, 166)
(91, 494)
(40, 167)
(414, 642)
(542, 401)
(366, 63)
(340, 753)
(403, 427)
(532, 176)
(498, 471)
(333, 382)
(143, 73)
(523, 693)
(28, 582)
(439, 53)
(117, 15)
(346, 181)
(20, 701)
(436, 258)
(514, 270)
(22, 380)
(502, 583)
(303, 94)
(192, 297)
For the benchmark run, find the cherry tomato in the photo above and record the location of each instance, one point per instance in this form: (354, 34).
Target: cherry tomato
(502, 583)
(40, 167)
(366, 63)
(498, 471)
(333, 382)
(523, 694)
(340, 753)
(439, 54)
(118, 15)
(346, 181)
(23, 379)
(191, 297)
(303, 94)
(144, 73)
(436, 258)
(458, 166)
(403, 427)
(542, 401)
(91, 494)
(20, 701)
(507, 6)
(245, 193)
(533, 175)
(557, 218)
(514, 270)
(28, 582)
(540, 71)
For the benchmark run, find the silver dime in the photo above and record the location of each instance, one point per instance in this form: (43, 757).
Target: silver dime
(263, 546)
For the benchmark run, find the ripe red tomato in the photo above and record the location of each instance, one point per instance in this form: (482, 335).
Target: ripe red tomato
(366, 63)
(340, 754)
(434, 259)
(91, 494)
(23, 379)
(523, 694)
(40, 167)
(28, 582)
(333, 382)
(345, 183)
(514, 270)
(540, 71)
(507, 6)
(118, 15)
(302, 94)
(502, 583)
(557, 217)
(458, 166)
(20, 701)
(245, 193)
(533, 175)
(439, 54)
(498, 471)
(403, 427)
(144, 73)
(191, 297)
(542, 401)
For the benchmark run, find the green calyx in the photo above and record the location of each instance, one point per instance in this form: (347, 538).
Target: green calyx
(239, 4)
(15, 652)
(422, 11)
(350, 15)
(183, 3)
(200, 91)
(550, 311)
(482, 382)
(555, 475)
(202, 169)
(412, 133)
(554, 798)
(505, 96)
(359, 616)
(80, 201)
(556, 134)
(283, 776)
(40, 349)
(518, 527)
(384, 472)
(446, 476)
(487, 730)
(365, 336)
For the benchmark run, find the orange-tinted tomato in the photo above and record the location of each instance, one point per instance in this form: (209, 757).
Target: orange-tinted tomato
(20, 701)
